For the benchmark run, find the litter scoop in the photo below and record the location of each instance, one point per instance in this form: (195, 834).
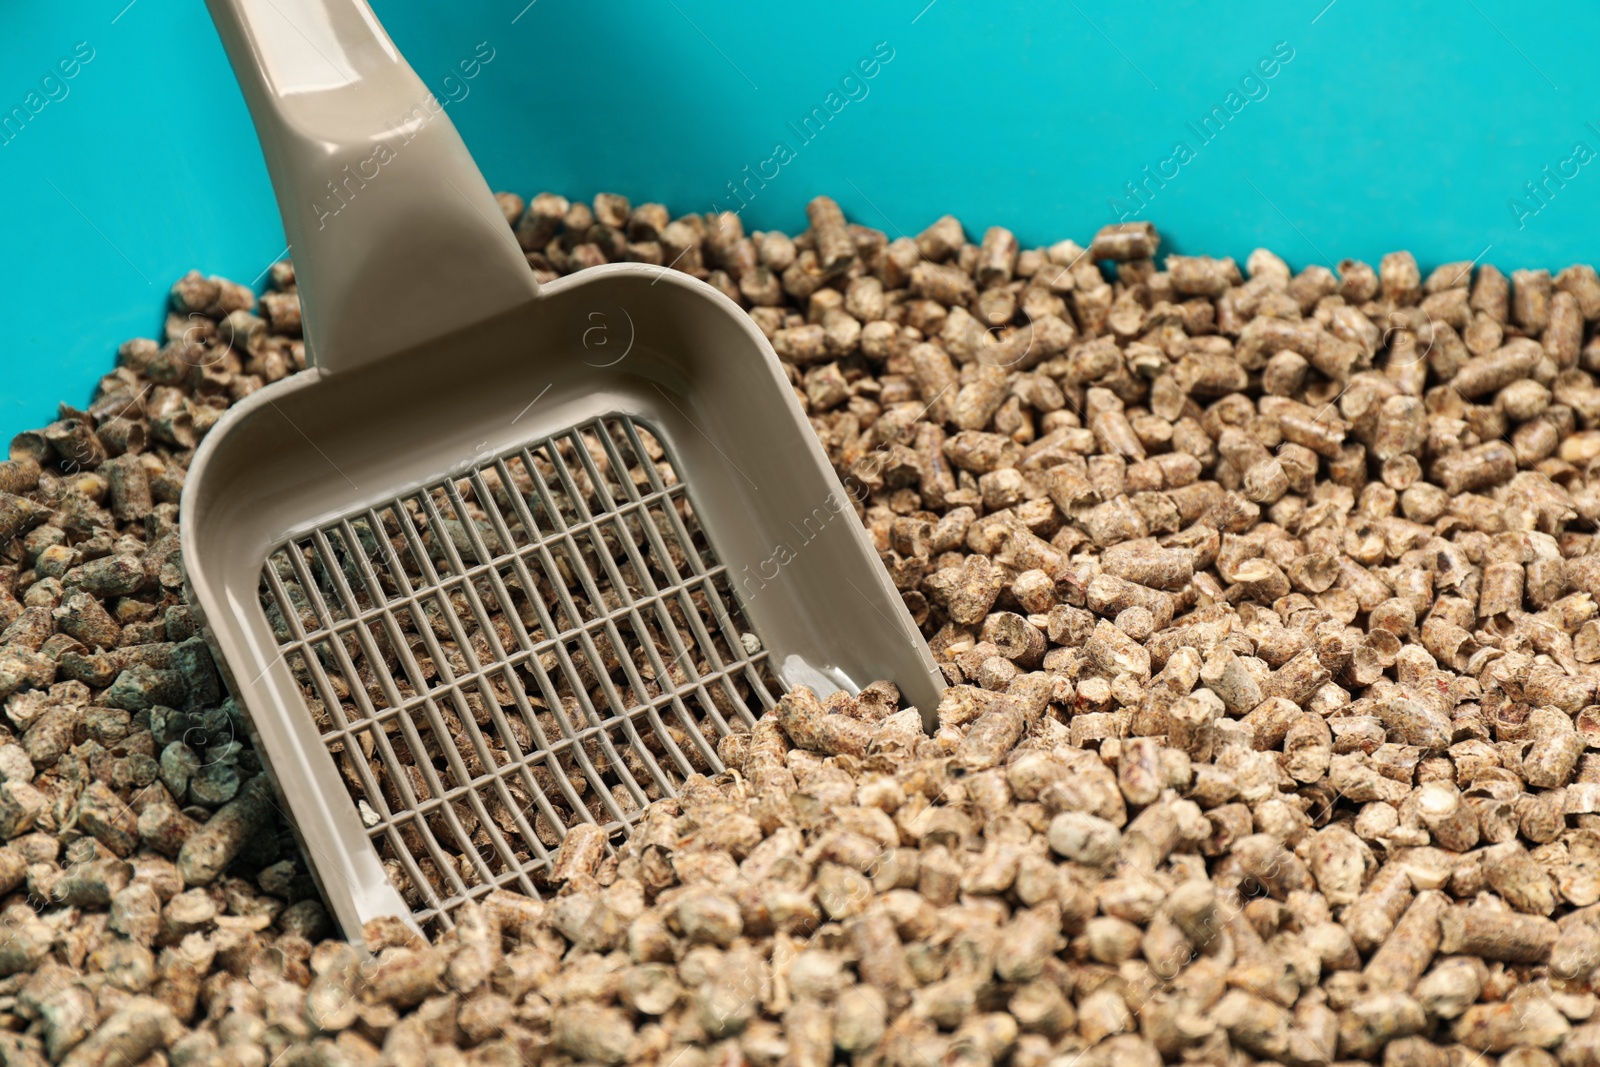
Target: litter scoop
(509, 558)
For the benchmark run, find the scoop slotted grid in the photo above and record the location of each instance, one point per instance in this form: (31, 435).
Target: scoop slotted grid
(543, 640)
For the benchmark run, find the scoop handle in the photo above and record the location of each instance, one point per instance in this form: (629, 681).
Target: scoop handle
(395, 236)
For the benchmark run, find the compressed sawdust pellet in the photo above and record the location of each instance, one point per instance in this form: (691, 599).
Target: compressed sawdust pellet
(1266, 600)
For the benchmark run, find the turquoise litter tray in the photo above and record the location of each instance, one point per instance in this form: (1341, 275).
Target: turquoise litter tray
(1454, 128)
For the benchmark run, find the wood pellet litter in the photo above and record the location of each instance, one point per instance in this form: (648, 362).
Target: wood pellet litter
(1268, 603)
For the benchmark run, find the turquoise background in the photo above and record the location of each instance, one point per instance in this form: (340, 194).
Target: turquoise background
(1388, 129)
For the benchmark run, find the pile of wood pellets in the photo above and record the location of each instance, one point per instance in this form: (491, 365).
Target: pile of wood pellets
(1267, 603)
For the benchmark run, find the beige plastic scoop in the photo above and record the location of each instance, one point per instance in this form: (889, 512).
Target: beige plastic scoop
(509, 558)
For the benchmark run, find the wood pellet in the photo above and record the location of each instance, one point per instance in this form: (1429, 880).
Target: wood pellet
(1267, 603)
